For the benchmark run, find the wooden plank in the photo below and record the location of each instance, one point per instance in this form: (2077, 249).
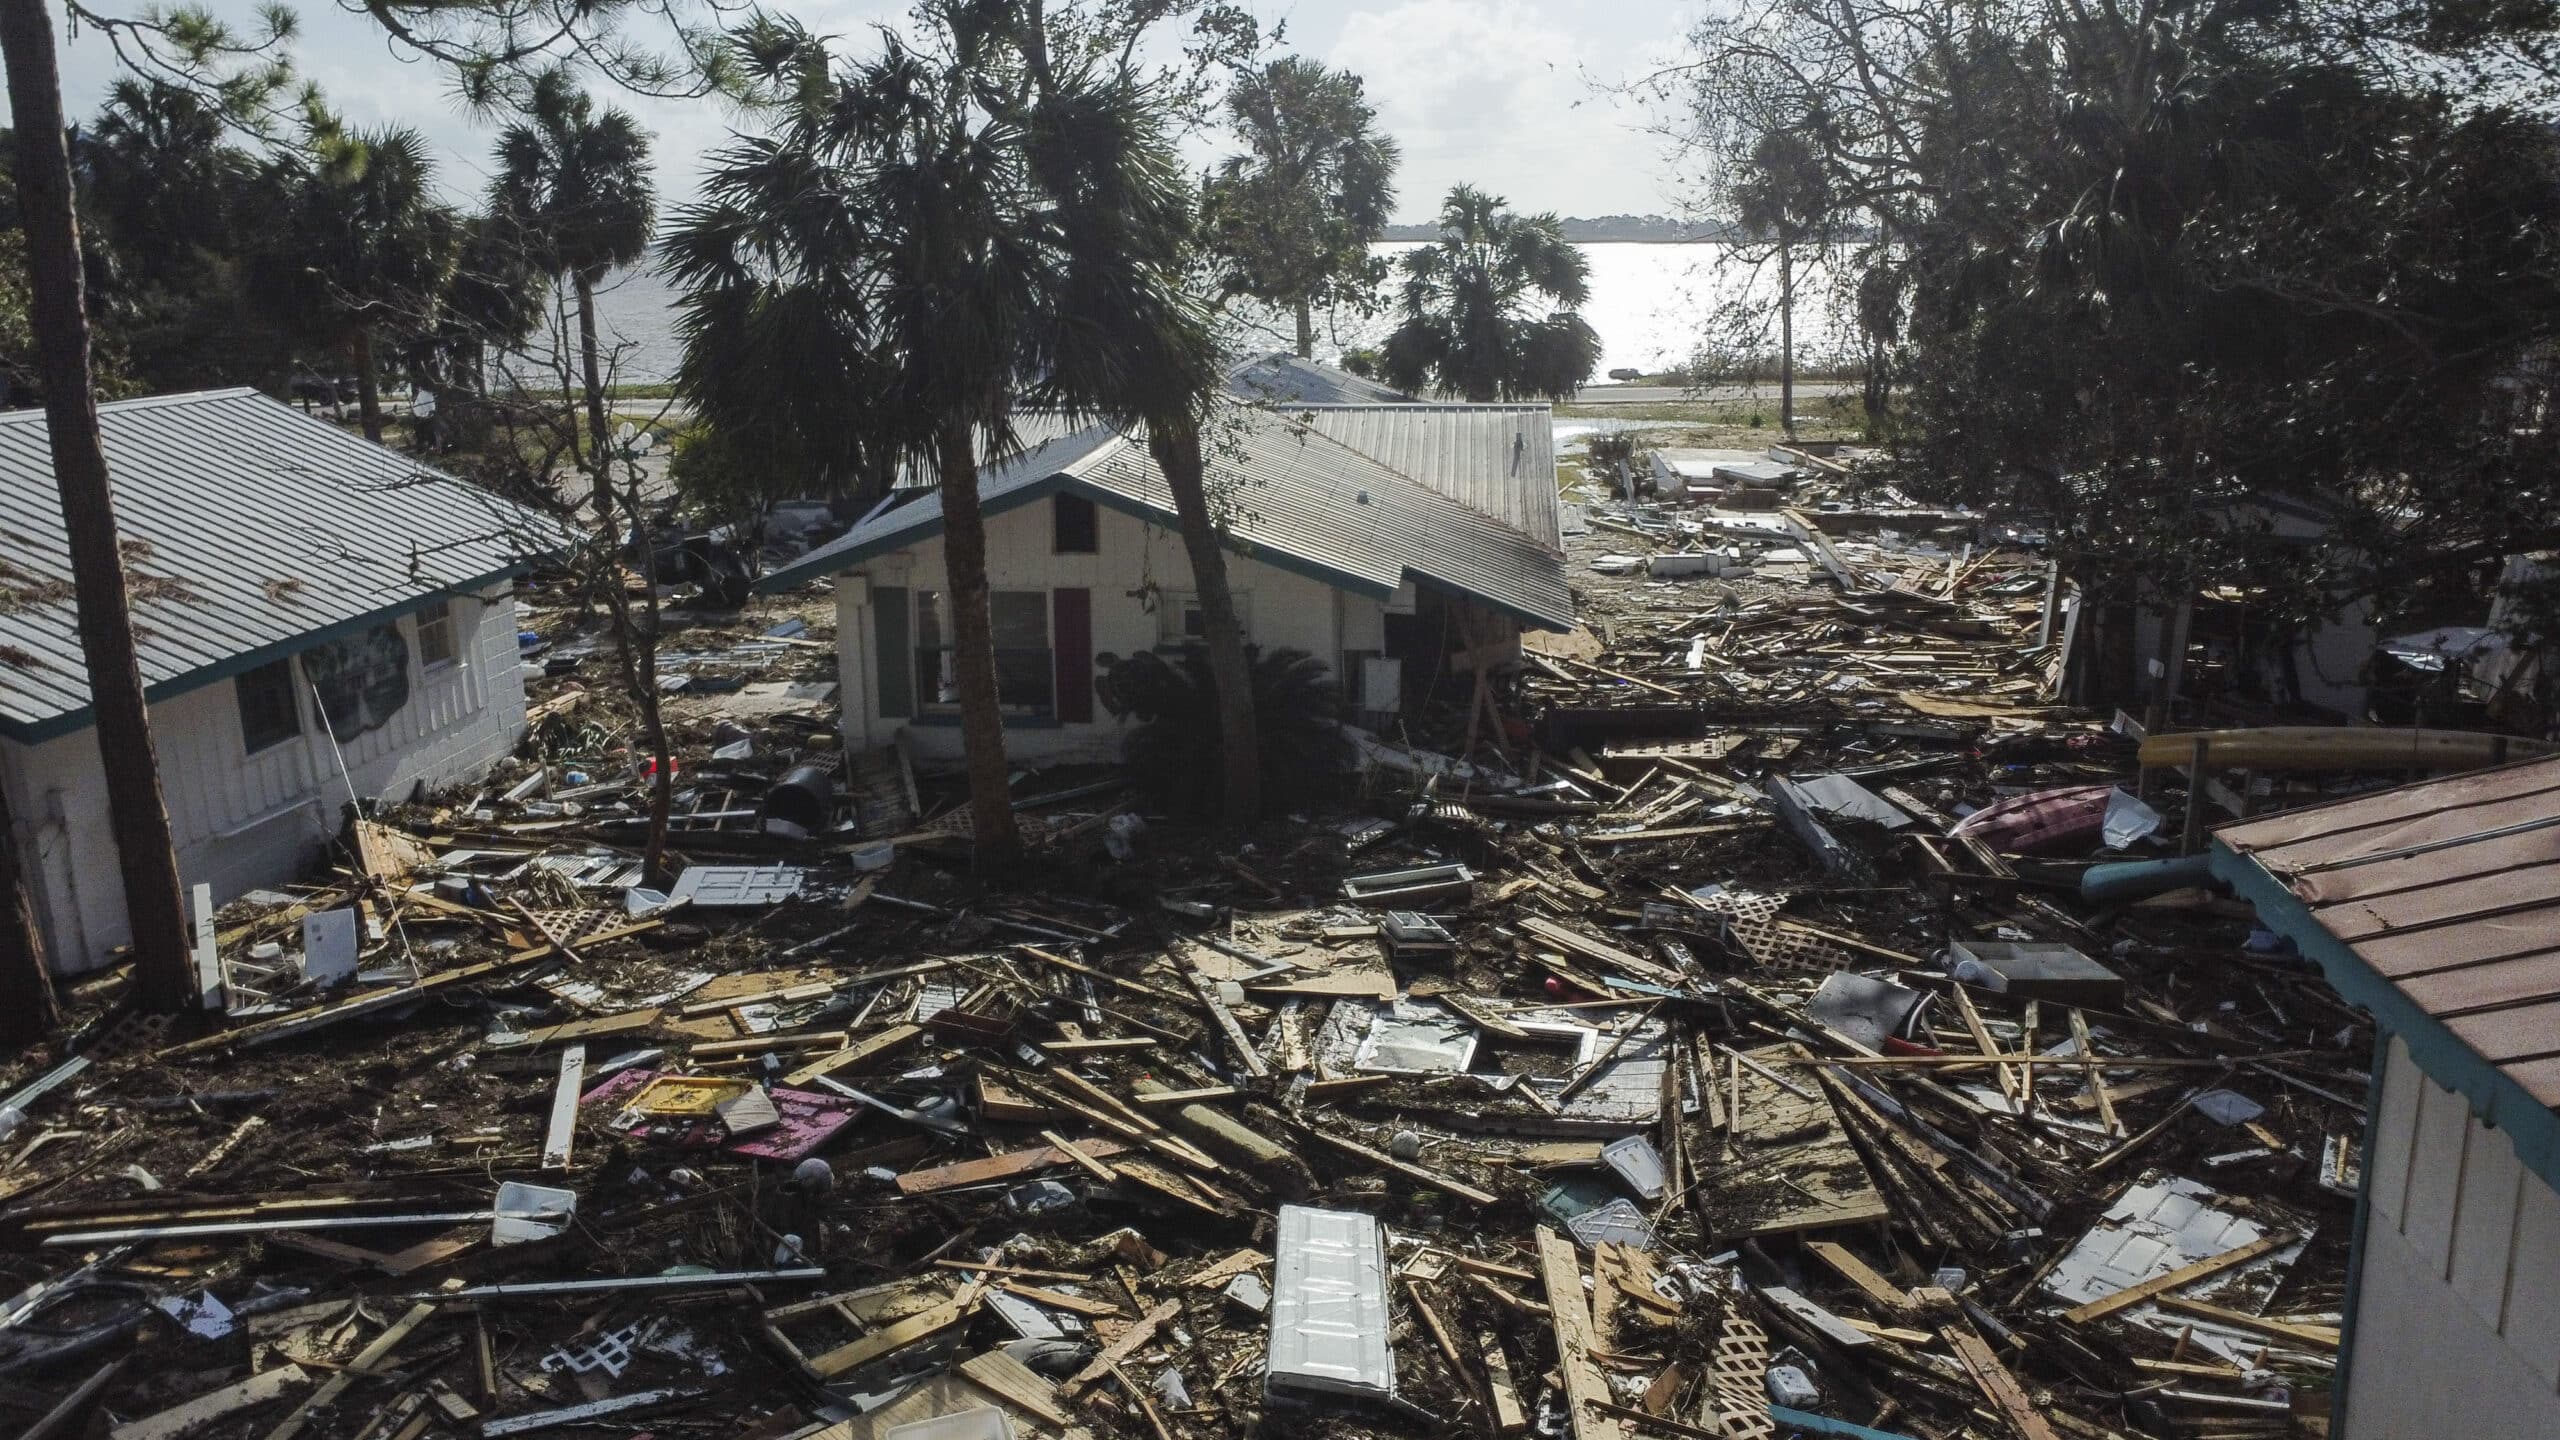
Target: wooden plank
(890, 1339)
(1508, 1417)
(2097, 1076)
(2318, 1337)
(896, 1037)
(1856, 1271)
(204, 1410)
(1585, 1386)
(1385, 1161)
(1187, 1097)
(564, 1107)
(1576, 943)
(2179, 1278)
(1096, 1047)
(1060, 1300)
(1078, 1158)
(1996, 1383)
(1013, 1164)
(1798, 1169)
(1016, 1384)
(627, 1023)
(1131, 1341)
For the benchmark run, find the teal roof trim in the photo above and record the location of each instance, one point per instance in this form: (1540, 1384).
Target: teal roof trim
(2532, 1127)
(53, 727)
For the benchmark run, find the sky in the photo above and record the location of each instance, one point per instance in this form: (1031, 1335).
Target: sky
(1508, 95)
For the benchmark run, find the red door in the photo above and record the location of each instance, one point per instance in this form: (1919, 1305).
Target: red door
(1071, 638)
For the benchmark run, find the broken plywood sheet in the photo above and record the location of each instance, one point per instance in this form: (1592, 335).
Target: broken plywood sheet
(1795, 1169)
(992, 1380)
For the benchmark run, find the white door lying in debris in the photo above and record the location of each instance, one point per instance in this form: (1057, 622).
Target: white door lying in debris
(1329, 1305)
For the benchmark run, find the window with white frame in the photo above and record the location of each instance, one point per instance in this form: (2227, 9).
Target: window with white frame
(1181, 624)
(435, 634)
(1026, 678)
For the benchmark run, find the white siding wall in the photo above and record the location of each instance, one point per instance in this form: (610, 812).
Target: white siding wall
(2458, 1305)
(241, 821)
(1285, 609)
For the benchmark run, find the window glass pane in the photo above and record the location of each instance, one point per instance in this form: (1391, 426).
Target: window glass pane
(435, 633)
(1021, 619)
(268, 714)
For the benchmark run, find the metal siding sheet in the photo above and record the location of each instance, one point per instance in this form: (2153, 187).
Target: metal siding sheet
(2484, 1224)
(1329, 1304)
(234, 494)
(2446, 901)
(2487, 987)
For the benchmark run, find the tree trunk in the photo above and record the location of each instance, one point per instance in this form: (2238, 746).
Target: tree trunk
(147, 862)
(368, 388)
(1787, 338)
(1178, 454)
(1306, 331)
(636, 644)
(27, 1011)
(973, 653)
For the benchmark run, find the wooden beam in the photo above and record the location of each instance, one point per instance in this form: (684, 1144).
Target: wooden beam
(1078, 1158)
(1131, 1341)
(2183, 1276)
(896, 1037)
(1585, 1386)
(1011, 1165)
(2318, 1337)
(1996, 1383)
(890, 1339)
(1385, 1161)
(366, 1362)
(1856, 1271)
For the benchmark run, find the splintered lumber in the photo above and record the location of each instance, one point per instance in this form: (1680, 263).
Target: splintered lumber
(367, 1360)
(1011, 1165)
(2179, 1278)
(1239, 1042)
(1584, 1385)
(896, 1037)
(1385, 1161)
(1123, 982)
(222, 1152)
(1131, 1341)
(1187, 1097)
(1219, 1272)
(1060, 1300)
(1996, 1383)
(2097, 1074)
(1857, 1272)
(1575, 943)
(206, 1409)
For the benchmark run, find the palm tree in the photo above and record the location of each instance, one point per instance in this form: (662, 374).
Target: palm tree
(1783, 196)
(361, 247)
(981, 229)
(576, 187)
(1291, 220)
(1472, 326)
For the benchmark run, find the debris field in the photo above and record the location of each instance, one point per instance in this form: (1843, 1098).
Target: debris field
(1764, 1011)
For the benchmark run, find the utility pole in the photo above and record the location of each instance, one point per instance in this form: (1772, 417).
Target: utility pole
(57, 310)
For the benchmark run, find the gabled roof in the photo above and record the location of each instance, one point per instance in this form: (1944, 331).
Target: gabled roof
(251, 531)
(1298, 499)
(1279, 378)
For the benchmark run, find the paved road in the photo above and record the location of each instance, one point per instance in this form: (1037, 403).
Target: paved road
(1674, 395)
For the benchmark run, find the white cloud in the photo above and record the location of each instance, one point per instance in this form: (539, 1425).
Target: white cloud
(1504, 96)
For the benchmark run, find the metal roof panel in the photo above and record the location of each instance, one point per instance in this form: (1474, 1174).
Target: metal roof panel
(246, 524)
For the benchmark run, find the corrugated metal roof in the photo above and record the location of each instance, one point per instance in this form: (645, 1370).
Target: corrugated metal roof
(248, 526)
(1297, 498)
(1499, 460)
(2449, 890)
(1279, 378)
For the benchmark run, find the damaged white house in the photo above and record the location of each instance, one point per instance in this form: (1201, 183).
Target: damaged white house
(1380, 536)
(316, 617)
